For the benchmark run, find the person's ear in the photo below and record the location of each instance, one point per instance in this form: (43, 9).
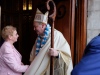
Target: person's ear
(9, 36)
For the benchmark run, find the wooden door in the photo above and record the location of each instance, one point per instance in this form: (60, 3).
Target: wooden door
(65, 21)
(80, 29)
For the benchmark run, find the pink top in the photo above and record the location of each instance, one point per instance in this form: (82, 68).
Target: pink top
(10, 60)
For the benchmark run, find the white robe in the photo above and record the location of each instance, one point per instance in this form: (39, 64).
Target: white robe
(40, 63)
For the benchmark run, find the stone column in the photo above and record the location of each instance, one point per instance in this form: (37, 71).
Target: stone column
(93, 19)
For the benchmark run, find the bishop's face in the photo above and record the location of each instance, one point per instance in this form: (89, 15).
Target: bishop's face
(39, 27)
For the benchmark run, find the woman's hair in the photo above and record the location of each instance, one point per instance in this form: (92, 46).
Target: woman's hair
(7, 30)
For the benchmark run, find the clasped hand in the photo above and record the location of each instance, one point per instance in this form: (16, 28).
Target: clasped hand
(53, 52)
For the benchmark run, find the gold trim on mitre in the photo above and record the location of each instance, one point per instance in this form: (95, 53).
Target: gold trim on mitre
(40, 17)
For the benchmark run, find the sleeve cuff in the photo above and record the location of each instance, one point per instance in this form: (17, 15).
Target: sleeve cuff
(58, 55)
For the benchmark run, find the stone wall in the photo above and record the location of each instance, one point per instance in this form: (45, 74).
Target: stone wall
(93, 19)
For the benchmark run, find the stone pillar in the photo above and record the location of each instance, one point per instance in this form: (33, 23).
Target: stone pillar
(93, 19)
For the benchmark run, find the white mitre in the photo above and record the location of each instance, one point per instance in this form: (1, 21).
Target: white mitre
(40, 17)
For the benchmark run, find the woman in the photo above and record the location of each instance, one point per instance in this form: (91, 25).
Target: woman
(10, 58)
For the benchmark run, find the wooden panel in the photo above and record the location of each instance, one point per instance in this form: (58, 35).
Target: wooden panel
(65, 21)
(72, 28)
(80, 29)
(62, 22)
